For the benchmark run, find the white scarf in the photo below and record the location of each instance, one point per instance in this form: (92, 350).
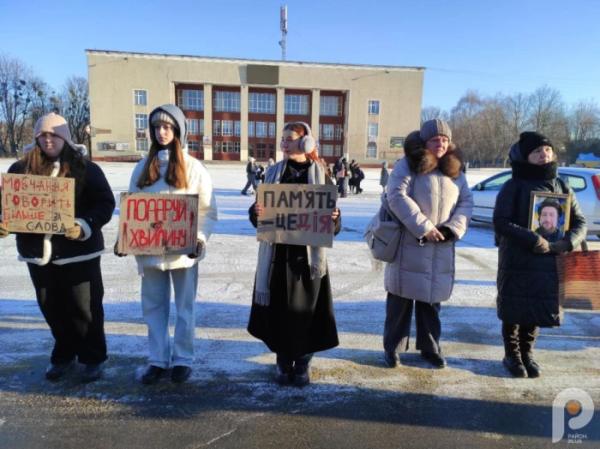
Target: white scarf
(316, 254)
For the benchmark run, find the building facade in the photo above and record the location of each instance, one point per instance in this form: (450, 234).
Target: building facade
(237, 108)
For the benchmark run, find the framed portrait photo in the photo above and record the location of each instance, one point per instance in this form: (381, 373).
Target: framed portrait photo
(549, 214)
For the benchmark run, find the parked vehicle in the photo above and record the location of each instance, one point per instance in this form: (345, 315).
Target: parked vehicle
(585, 182)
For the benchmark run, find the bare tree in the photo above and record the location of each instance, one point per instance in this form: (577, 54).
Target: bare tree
(76, 107)
(432, 112)
(517, 108)
(16, 101)
(463, 121)
(584, 121)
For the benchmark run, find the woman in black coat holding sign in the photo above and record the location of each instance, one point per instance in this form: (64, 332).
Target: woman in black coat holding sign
(65, 269)
(527, 276)
(292, 307)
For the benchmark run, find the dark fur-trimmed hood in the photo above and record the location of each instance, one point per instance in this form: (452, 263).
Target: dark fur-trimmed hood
(422, 161)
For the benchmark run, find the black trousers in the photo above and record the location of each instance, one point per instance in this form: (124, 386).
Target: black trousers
(519, 339)
(398, 315)
(70, 298)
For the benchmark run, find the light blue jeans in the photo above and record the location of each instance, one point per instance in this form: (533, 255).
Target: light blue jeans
(156, 299)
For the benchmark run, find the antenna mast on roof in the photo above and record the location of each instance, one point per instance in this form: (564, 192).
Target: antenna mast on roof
(283, 27)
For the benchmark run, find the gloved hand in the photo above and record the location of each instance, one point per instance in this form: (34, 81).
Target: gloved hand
(3, 230)
(541, 246)
(116, 250)
(561, 246)
(198, 251)
(447, 233)
(74, 233)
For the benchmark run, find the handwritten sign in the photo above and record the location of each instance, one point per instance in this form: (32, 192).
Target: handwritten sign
(155, 224)
(296, 214)
(38, 204)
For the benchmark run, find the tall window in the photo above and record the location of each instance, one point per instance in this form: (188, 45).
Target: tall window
(261, 129)
(141, 121)
(251, 129)
(262, 102)
(271, 129)
(216, 127)
(327, 149)
(193, 126)
(227, 101)
(373, 130)
(141, 144)
(339, 129)
(191, 99)
(373, 107)
(296, 104)
(236, 128)
(327, 132)
(331, 105)
(372, 150)
(140, 97)
(227, 128)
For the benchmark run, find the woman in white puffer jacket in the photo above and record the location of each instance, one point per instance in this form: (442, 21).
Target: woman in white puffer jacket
(169, 169)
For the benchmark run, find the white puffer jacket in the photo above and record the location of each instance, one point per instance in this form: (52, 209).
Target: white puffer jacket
(199, 182)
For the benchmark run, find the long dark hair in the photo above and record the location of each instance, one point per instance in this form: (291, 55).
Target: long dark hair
(176, 175)
(72, 164)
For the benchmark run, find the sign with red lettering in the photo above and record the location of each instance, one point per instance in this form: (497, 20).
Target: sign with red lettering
(38, 204)
(296, 214)
(156, 224)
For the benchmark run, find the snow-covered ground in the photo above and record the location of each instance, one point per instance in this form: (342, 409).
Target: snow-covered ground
(569, 355)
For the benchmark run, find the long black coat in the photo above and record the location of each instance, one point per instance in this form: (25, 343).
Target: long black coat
(299, 319)
(94, 205)
(528, 282)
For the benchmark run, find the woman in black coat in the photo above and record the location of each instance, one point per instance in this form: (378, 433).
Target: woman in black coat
(65, 269)
(527, 275)
(292, 306)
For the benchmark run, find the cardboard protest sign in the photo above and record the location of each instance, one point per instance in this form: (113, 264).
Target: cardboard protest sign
(155, 224)
(296, 214)
(38, 204)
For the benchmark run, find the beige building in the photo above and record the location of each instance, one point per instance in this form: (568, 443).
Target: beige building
(236, 108)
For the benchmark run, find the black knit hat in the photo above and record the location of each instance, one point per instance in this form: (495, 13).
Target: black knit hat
(530, 140)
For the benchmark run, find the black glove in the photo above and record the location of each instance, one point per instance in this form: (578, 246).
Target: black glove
(561, 246)
(541, 246)
(447, 233)
(199, 248)
(116, 250)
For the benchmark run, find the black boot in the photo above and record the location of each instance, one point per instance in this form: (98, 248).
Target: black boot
(284, 373)
(302, 370)
(527, 337)
(512, 355)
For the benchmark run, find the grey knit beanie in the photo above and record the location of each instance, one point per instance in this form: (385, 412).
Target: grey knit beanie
(162, 116)
(435, 127)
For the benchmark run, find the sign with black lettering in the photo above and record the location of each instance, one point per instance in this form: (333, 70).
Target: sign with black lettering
(38, 204)
(156, 224)
(296, 214)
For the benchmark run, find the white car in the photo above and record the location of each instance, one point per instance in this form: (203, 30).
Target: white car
(585, 182)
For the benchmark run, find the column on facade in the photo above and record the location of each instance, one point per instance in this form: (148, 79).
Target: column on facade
(243, 123)
(207, 143)
(346, 148)
(315, 112)
(279, 122)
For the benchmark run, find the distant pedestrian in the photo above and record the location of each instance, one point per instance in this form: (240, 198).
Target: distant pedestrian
(384, 176)
(65, 269)
(429, 194)
(250, 177)
(169, 169)
(527, 277)
(292, 307)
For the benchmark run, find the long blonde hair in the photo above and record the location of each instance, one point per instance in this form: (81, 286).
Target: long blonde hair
(176, 175)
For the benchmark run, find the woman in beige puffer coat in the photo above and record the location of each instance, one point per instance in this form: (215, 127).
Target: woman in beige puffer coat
(428, 192)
